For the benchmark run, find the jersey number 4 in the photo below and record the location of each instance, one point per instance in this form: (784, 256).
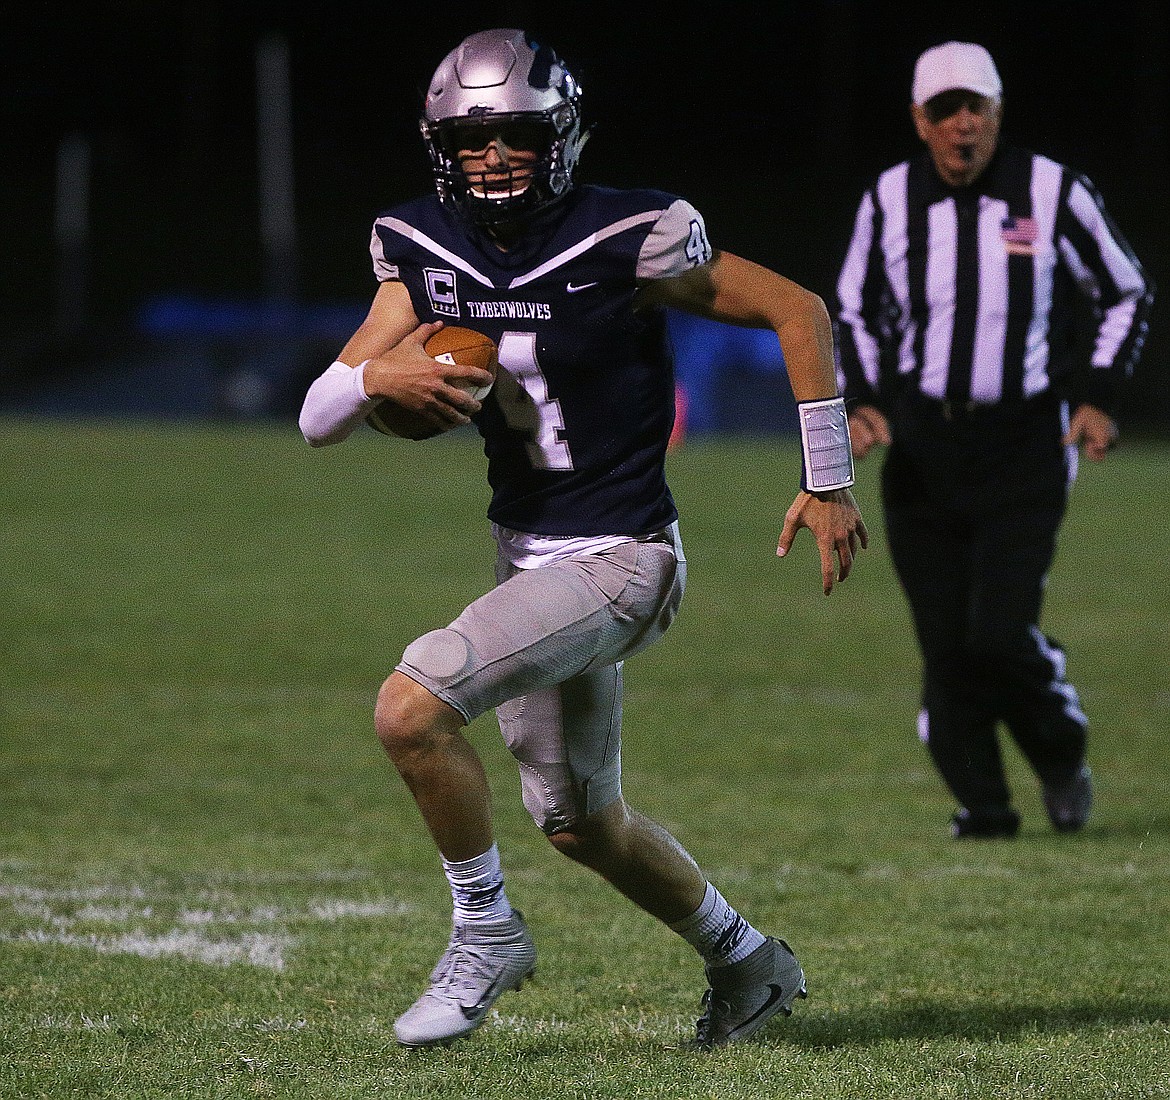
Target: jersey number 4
(698, 249)
(527, 406)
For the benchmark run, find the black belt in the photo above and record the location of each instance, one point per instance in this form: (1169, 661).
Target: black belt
(973, 411)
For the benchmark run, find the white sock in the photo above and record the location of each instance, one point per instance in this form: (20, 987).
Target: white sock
(477, 888)
(718, 932)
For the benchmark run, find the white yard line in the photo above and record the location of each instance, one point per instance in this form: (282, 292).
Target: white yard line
(225, 932)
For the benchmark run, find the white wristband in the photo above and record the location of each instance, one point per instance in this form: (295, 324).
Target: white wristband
(826, 455)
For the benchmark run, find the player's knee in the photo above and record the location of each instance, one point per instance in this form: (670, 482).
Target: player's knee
(583, 846)
(390, 714)
(404, 717)
(593, 840)
(571, 843)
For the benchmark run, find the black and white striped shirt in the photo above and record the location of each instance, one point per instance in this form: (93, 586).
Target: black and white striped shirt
(969, 293)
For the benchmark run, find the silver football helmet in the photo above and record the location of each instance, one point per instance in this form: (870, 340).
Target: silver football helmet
(502, 86)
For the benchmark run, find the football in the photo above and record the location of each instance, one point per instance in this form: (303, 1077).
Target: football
(468, 348)
(452, 344)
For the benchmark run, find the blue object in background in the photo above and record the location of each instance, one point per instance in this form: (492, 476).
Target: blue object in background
(191, 357)
(191, 319)
(172, 383)
(734, 379)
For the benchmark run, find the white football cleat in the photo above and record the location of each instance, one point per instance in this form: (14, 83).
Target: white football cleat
(746, 995)
(482, 962)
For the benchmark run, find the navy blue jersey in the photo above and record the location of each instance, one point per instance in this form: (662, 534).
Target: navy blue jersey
(575, 428)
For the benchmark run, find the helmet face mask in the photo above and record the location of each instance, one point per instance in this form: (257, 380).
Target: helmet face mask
(501, 87)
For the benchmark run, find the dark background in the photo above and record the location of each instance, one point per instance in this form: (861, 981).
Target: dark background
(771, 118)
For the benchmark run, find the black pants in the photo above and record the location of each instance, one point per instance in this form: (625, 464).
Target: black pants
(973, 503)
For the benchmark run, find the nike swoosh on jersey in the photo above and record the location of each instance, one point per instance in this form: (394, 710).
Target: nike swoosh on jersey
(572, 288)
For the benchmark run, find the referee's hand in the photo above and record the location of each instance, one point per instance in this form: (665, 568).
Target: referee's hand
(1094, 431)
(868, 427)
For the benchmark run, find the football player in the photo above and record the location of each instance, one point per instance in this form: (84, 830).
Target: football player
(571, 281)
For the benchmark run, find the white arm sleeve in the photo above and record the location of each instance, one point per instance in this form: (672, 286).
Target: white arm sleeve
(335, 404)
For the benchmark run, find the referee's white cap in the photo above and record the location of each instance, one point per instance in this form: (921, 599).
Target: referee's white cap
(955, 65)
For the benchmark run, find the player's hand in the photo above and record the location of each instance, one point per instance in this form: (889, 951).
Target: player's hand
(835, 522)
(868, 427)
(1094, 431)
(423, 385)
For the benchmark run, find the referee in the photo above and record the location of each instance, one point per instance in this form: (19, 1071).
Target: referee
(963, 349)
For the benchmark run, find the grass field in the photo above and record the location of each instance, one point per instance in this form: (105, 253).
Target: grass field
(212, 885)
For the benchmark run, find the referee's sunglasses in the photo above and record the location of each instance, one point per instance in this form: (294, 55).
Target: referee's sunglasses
(945, 104)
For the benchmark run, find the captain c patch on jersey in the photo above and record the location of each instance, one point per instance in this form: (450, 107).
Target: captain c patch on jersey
(441, 291)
